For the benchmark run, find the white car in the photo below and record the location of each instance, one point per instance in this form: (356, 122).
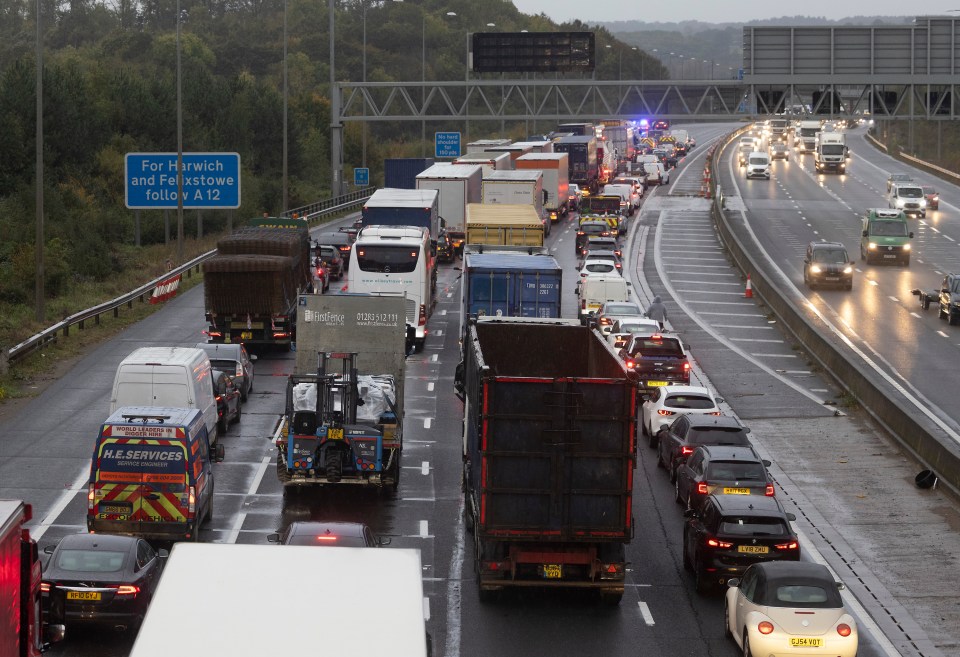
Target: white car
(783, 608)
(623, 329)
(657, 174)
(666, 404)
(573, 196)
(598, 266)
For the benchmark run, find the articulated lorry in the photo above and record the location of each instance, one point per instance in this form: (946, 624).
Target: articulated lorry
(556, 179)
(806, 136)
(343, 417)
(253, 600)
(401, 172)
(252, 284)
(582, 167)
(457, 185)
(549, 453)
(503, 224)
(22, 630)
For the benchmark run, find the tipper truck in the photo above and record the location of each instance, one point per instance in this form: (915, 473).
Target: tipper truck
(403, 207)
(549, 455)
(343, 418)
(503, 224)
(457, 185)
(556, 179)
(251, 285)
(245, 601)
(22, 631)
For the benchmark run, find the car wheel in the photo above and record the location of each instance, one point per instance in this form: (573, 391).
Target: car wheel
(953, 319)
(746, 646)
(672, 469)
(676, 491)
(941, 314)
(726, 619)
(660, 463)
(236, 420)
(849, 286)
(222, 426)
(687, 564)
(654, 440)
(702, 584)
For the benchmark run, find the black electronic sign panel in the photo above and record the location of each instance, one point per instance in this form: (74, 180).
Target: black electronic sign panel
(531, 52)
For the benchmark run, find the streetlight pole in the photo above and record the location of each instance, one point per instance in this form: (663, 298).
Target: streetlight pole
(286, 189)
(179, 147)
(423, 81)
(336, 127)
(363, 132)
(38, 251)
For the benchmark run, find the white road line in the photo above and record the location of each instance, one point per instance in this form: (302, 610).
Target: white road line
(872, 282)
(65, 498)
(419, 499)
(425, 467)
(424, 530)
(947, 237)
(726, 294)
(426, 422)
(430, 387)
(257, 478)
(438, 332)
(433, 358)
(426, 608)
(819, 390)
(775, 355)
(894, 299)
(916, 315)
(670, 265)
(645, 612)
(741, 326)
(720, 303)
(443, 312)
(452, 647)
(755, 340)
(235, 532)
(943, 334)
(734, 314)
(710, 282)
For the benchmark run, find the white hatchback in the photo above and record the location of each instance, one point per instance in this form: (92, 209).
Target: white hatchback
(666, 404)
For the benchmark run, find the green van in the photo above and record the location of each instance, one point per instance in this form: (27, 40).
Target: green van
(885, 237)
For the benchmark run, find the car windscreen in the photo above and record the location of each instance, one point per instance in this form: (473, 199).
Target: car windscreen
(805, 596)
(594, 229)
(888, 228)
(759, 161)
(735, 471)
(388, 259)
(621, 309)
(717, 436)
(225, 366)
(688, 401)
(599, 266)
(753, 526)
(90, 561)
(656, 347)
(327, 252)
(830, 255)
(832, 149)
(911, 192)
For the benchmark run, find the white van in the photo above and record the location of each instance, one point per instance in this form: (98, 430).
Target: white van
(597, 289)
(758, 165)
(629, 198)
(172, 377)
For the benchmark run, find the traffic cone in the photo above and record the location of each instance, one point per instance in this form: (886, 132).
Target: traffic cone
(749, 291)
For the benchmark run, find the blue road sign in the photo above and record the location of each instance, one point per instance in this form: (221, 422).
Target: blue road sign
(210, 181)
(361, 177)
(447, 144)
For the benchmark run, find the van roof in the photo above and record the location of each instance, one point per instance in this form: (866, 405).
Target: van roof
(164, 356)
(154, 415)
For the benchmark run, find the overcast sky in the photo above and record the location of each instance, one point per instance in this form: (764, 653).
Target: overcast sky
(727, 11)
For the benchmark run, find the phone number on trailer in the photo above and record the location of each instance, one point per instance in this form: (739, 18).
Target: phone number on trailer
(378, 319)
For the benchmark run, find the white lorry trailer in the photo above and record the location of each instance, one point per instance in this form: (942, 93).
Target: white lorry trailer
(457, 184)
(250, 601)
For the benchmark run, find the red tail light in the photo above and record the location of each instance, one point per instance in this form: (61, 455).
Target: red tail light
(90, 497)
(715, 413)
(665, 413)
(423, 315)
(765, 627)
(193, 500)
(630, 363)
(844, 630)
(127, 589)
(686, 451)
(686, 367)
(792, 545)
(44, 587)
(583, 304)
(714, 543)
(769, 492)
(702, 488)
(327, 538)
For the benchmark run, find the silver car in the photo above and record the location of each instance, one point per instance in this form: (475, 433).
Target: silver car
(234, 360)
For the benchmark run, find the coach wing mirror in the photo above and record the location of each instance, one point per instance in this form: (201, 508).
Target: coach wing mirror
(911, 234)
(865, 233)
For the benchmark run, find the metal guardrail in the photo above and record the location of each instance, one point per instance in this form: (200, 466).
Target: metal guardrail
(311, 213)
(924, 437)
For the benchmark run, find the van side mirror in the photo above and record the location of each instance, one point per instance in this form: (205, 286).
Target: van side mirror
(791, 517)
(273, 538)
(911, 234)
(253, 357)
(218, 453)
(864, 233)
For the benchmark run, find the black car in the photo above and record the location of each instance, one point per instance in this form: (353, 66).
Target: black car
(331, 534)
(602, 243)
(446, 252)
(827, 263)
(100, 579)
(687, 432)
(590, 229)
(228, 399)
(329, 255)
(732, 532)
(343, 240)
(723, 470)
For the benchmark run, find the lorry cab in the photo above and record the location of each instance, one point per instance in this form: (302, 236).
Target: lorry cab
(151, 474)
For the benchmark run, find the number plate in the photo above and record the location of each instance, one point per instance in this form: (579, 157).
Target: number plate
(805, 642)
(889, 255)
(335, 434)
(736, 491)
(551, 571)
(246, 335)
(83, 595)
(832, 278)
(115, 508)
(656, 384)
(753, 549)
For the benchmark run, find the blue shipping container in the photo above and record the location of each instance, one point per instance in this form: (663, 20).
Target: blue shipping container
(511, 285)
(402, 207)
(401, 172)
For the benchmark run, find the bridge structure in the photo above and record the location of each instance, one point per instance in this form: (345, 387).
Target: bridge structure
(900, 72)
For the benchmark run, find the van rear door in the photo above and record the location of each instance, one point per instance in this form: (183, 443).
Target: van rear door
(140, 481)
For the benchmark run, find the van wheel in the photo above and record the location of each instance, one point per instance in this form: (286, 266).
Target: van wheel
(209, 515)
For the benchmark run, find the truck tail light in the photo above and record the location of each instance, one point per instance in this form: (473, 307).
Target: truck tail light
(90, 497)
(422, 321)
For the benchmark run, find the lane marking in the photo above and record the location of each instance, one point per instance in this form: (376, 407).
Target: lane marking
(756, 339)
(452, 647)
(62, 501)
(742, 326)
(775, 355)
(235, 532)
(434, 357)
(426, 608)
(645, 612)
(943, 334)
(259, 476)
(425, 467)
(426, 422)
(424, 531)
(430, 387)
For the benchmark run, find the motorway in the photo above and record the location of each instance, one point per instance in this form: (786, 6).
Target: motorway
(895, 547)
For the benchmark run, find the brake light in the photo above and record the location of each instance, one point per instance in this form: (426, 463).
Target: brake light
(714, 543)
(630, 363)
(128, 589)
(215, 334)
(686, 366)
(665, 413)
(715, 413)
(580, 232)
(656, 337)
(686, 450)
(583, 304)
(192, 500)
(792, 545)
(765, 627)
(90, 496)
(423, 315)
(702, 488)
(844, 630)
(605, 321)
(769, 492)
(44, 587)
(327, 538)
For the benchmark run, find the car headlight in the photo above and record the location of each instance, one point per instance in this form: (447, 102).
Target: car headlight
(923, 203)
(815, 269)
(906, 247)
(872, 246)
(848, 270)
(900, 202)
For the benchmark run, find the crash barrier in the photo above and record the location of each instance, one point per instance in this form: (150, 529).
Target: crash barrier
(923, 164)
(161, 285)
(915, 428)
